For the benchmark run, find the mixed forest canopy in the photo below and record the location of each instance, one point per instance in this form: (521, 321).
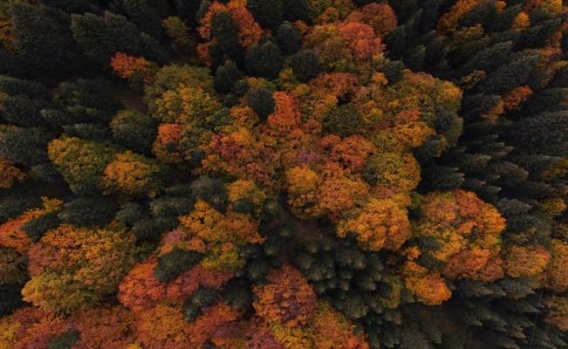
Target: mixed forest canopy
(283, 174)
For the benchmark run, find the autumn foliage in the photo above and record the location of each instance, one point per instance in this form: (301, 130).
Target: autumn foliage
(286, 299)
(283, 174)
(130, 67)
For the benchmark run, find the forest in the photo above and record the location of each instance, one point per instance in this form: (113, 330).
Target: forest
(283, 174)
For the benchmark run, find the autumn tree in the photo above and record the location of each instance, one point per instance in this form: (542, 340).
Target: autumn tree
(133, 174)
(72, 268)
(380, 223)
(136, 70)
(332, 329)
(286, 299)
(81, 163)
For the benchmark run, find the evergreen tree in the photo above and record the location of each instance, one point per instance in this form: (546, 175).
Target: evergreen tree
(289, 39)
(226, 76)
(264, 60)
(268, 13)
(45, 48)
(261, 101)
(224, 31)
(101, 37)
(147, 15)
(305, 65)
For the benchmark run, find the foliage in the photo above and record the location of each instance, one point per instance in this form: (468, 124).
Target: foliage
(132, 174)
(72, 268)
(283, 174)
(286, 299)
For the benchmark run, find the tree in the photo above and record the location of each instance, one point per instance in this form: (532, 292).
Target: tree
(526, 261)
(72, 268)
(103, 327)
(147, 15)
(179, 32)
(134, 130)
(448, 223)
(555, 278)
(267, 13)
(226, 76)
(342, 47)
(136, 69)
(212, 191)
(391, 170)
(288, 38)
(380, 223)
(43, 42)
(261, 101)
(226, 30)
(219, 236)
(10, 174)
(163, 327)
(21, 111)
(513, 74)
(133, 174)
(15, 87)
(286, 299)
(332, 329)
(305, 65)
(545, 133)
(12, 266)
(429, 288)
(175, 263)
(81, 163)
(101, 37)
(264, 60)
(90, 211)
(82, 101)
(380, 16)
(24, 146)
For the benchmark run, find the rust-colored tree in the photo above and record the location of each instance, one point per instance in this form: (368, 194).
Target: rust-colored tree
(286, 299)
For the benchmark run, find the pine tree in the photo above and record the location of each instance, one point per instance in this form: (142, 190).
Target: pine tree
(264, 60)
(101, 37)
(267, 13)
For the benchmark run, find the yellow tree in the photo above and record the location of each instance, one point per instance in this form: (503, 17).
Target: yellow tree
(381, 223)
(218, 235)
(73, 268)
(133, 174)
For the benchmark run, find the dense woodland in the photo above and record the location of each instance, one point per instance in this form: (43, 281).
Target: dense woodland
(283, 174)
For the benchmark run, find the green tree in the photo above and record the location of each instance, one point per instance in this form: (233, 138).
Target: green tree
(22, 111)
(101, 37)
(268, 13)
(226, 76)
(224, 32)
(305, 65)
(93, 211)
(264, 60)
(545, 133)
(288, 38)
(261, 101)
(44, 46)
(134, 130)
(147, 15)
